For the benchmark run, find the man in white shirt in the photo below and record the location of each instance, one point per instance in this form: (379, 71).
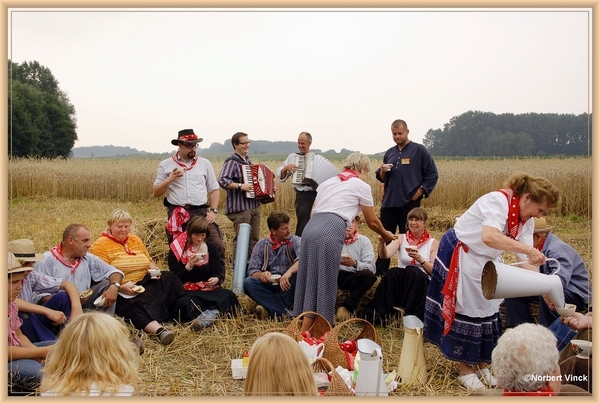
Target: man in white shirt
(192, 188)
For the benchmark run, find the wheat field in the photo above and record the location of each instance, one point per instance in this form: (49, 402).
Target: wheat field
(46, 196)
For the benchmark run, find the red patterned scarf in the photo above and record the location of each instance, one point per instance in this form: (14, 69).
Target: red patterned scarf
(57, 253)
(201, 286)
(347, 174)
(450, 286)
(123, 243)
(277, 244)
(410, 239)
(514, 223)
(178, 218)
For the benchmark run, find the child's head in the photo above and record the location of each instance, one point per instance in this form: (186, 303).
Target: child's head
(16, 274)
(278, 367)
(94, 347)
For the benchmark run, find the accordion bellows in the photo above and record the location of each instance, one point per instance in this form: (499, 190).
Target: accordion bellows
(314, 167)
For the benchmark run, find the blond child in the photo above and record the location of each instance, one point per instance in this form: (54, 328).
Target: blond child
(278, 367)
(92, 357)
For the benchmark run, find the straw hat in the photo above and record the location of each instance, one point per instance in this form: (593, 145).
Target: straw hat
(24, 251)
(15, 266)
(540, 225)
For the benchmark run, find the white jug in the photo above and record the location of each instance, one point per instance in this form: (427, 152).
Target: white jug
(312, 352)
(411, 365)
(501, 281)
(370, 380)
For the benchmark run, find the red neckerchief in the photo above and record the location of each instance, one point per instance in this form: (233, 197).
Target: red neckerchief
(514, 223)
(347, 174)
(449, 289)
(123, 243)
(276, 244)
(541, 244)
(544, 391)
(351, 239)
(410, 239)
(182, 165)
(57, 253)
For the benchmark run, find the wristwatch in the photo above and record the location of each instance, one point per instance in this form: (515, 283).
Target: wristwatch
(214, 210)
(239, 185)
(117, 284)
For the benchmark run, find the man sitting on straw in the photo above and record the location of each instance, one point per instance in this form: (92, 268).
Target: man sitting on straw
(275, 255)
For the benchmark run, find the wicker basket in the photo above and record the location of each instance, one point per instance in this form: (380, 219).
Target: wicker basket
(332, 350)
(318, 329)
(338, 386)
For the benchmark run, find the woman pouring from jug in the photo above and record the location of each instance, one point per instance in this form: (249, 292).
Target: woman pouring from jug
(458, 318)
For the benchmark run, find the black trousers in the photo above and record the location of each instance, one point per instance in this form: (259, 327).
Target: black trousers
(357, 284)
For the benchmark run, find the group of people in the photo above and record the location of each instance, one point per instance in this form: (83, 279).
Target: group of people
(288, 274)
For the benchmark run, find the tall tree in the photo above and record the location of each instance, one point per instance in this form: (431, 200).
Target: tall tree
(41, 118)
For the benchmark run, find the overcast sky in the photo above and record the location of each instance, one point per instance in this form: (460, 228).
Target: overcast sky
(136, 77)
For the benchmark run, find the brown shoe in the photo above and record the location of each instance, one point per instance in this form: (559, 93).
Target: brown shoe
(261, 312)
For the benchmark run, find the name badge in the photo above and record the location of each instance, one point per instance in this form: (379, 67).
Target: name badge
(405, 161)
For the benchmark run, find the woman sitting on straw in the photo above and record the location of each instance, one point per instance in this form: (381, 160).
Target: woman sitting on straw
(163, 298)
(196, 262)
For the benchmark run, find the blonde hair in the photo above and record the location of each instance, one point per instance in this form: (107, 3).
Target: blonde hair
(356, 161)
(118, 215)
(94, 348)
(278, 367)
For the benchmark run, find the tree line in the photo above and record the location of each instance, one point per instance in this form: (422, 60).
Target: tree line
(42, 123)
(41, 118)
(477, 133)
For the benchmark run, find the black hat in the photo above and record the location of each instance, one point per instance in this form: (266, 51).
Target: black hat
(186, 135)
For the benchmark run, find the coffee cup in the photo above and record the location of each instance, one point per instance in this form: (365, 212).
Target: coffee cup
(275, 279)
(99, 302)
(389, 166)
(154, 273)
(201, 256)
(582, 348)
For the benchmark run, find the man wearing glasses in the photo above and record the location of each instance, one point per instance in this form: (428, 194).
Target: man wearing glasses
(239, 208)
(193, 190)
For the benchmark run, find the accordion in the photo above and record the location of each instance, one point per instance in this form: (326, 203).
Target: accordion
(313, 168)
(262, 180)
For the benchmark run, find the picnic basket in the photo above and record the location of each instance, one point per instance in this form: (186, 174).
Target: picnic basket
(332, 350)
(338, 386)
(318, 329)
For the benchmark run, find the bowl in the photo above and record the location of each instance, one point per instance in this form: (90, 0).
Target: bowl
(582, 348)
(275, 279)
(567, 311)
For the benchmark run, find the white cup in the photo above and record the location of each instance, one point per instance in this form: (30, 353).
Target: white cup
(275, 279)
(99, 302)
(389, 166)
(201, 256)
(154, 273)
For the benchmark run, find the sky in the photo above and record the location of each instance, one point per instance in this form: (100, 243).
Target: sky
(138, 76)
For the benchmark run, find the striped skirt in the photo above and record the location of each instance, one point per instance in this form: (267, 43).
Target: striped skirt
(471, 339)
(320, 253)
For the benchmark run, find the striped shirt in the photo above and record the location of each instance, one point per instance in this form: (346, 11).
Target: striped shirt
(231, 172)
(90, 269)
(35, 283)
(195, 185)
